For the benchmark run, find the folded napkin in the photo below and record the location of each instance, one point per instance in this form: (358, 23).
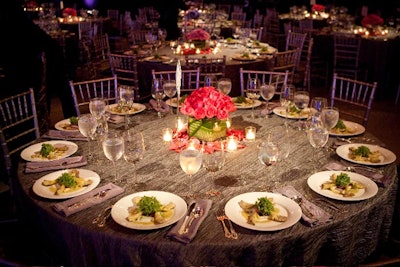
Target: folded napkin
(65, 135)
(70, 162)
(318, 216)
(94, 197)
(379, 178)
(116, 119)
(187, 237)
(164, 107)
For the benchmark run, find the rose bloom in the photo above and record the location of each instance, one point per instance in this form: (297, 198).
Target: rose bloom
(371, 20)
(198, 34)
(318, 8)
(207, 102)
(69, 12)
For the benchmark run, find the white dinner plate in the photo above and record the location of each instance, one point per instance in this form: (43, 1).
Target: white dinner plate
(280, 111)
(286, 206)
(137, 108)
(157, 60)
(44, 191)
(256, 103)
(356, 129)
(386, 157)
(61, 125)
(27, 153)
(317, 179)
(119, 211)
(172, 102)
(241, 58)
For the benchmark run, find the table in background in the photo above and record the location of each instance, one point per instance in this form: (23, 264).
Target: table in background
(355, 232)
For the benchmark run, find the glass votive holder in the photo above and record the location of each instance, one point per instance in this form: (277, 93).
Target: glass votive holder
(228, 123)
(167, 134)
(231, 144)
(250, 133)
(180, 123)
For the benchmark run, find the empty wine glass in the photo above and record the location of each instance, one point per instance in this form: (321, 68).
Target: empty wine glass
(214, 162)
(97, 107)
(125, 102)
(267, 92)
(286, 98)
(158, 94)
(253, 92)
(113, 148)
(170, 89)
(330, 117)
(134, 149)
(87, 124)
(268, 155)
(152, 39)
(190, 161)
(224, 85)
(318, 137)
(316, 106)
(301, 100)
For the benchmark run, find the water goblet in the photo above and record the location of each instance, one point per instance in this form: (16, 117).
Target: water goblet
(301, 100)
(317, 137)
(158, 94)
(214, 162)
(87, 124)
(97, 107)
(170, 89)
(267, 92)
(125, 102)
(316, 106)
(268, 155)
(224, 85)
(190, 161)
(134, 149)
(253, 92)
(113, 148)
(330, 117)
(286, 98)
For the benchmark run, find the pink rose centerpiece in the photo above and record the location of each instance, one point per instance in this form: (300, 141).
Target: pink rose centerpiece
(198, 37)
(69, 12)
(208, 110)
(371, 20)
(318, 8)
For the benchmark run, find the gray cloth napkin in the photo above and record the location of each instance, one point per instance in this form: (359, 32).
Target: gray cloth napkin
(379, 178)
(164, 107)
(94, 197)
(65, 135)
(186, 238)
(69, 162)
(318, 215)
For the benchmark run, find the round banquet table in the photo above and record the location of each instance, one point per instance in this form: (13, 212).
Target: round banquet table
(356, 230)
(231, 69)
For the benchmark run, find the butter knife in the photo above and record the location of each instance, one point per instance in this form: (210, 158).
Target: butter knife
(185, 222)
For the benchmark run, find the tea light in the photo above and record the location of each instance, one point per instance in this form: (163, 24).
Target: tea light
(250, 133)
(231, 144)
(167, 134)
(228, 123)
(180, 124)
(198, 51)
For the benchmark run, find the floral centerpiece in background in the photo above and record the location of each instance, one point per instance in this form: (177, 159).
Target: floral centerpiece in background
(69, 12)
(208, 110)
(198, 37)
(318, 8)
(371, 20)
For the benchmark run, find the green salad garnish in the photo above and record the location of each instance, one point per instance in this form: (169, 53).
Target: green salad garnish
(362, 151)
(342, 180)
(67, 179)
(340, 125)
(149, 205)
(240, 99)
(46, 150)
(264, 206)
(73, 120)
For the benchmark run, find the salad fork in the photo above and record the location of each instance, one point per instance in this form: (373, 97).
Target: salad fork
(220, 217)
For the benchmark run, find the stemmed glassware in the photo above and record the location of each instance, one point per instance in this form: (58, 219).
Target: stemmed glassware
(214, 162)
(125, 102)
(267, 92)
(316, 106)
(158, 94)
(253, 92)
(330, 117)
(286, 98)
(87, 124)
(224, 85)
(170, 89)
(318, 136)
(134, 149)
(97, 107)
(301, 100)
(113, 148)
(152, 39)
(190, 161)
(268, 155)
(209, 80)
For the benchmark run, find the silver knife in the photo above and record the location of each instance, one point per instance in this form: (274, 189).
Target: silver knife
(185, 222)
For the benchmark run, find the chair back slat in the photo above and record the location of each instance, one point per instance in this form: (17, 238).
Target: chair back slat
(274, 78)
(190, 78)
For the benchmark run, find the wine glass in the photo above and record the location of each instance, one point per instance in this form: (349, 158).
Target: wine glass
(267, 92)
(87, 124)
(97, 107)
(224, 85)
(152, 39)
(316, 106)
(158, 94)
(286, 98)
(318, 137)
(214, 162)
(301, 100)
(209, 80)
(253, 92)
(268, 155)
(330, 117)
(113, 148)
(162, 35)
(134, 149)
(125, 102)
(190, 161)
(170, 89)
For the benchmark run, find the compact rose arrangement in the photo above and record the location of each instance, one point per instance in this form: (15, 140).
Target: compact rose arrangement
(318, 8)
(371, 20)
(198, 34)
(69, 12)
(208, 110)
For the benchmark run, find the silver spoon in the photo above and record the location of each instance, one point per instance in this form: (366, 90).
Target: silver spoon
(198, 211)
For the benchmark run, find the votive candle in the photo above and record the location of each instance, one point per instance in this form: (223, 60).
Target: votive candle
(250, 133)
(232, 144)
(167, 134)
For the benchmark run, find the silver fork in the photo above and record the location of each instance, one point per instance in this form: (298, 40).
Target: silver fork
(221, 217)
